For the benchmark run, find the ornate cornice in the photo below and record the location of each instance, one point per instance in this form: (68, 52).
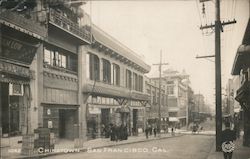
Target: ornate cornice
(58, 76)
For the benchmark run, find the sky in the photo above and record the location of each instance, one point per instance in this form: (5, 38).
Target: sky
(148, 26)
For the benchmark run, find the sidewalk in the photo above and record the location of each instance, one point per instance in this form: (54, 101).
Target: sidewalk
(240, 152)
(94, 144)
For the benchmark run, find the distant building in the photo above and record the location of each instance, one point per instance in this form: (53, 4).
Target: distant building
(191, 105)
(152, 110)
(177, 90)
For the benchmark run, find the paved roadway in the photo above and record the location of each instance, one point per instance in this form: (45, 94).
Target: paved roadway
(182, 147)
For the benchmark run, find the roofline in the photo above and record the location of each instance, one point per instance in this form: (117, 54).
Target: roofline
(116, 42)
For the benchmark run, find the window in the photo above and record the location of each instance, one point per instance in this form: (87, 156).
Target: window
(154, 97)
(106, 71)
(170, 90)
(135, 82)
(128, 79)
(93, 67)
(140, 83)
(116, 74)
(57, 57)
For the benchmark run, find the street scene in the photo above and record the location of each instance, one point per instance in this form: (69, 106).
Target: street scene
(125, 79)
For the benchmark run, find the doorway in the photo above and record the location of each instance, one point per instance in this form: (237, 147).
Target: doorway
(68, 123)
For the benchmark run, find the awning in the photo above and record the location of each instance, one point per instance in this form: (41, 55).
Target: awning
(123, 110)
(173, 119)
(241, 59)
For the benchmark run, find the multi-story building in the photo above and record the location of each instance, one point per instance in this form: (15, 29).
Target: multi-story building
(177, 91)
(228, 100)
(199, 104)
(22, 35)
(113, 85)
(191, 105)
(56, 73)
(40, 70)
(152, 88)
(241, 68)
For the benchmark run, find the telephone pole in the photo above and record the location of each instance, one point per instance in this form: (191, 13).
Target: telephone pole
(218, 28)
(159, 102)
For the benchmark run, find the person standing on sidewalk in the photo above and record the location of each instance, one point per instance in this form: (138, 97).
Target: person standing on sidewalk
(155, 130)
(228, 136)
(147, 130)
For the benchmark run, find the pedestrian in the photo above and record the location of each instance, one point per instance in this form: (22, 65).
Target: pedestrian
(147, 130)
(112, 132)
(172, 131)
(154, 131)
(227, 145)
(150, 129)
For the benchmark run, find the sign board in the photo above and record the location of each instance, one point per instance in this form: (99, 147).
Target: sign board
(17, 50)
(15, 89)
(94, 110)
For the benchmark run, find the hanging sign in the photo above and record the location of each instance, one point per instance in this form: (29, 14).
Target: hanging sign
(17, 50)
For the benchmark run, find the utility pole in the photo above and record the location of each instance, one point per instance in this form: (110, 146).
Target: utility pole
(218, 28)
(159, 102)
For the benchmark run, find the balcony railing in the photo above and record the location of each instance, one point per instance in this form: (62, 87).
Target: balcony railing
(65, 23)
(18, 21)
(244, 87)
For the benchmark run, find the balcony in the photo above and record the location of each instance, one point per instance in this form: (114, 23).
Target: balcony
(243, 92)
(109, 90)
(23, 24)
(69, 26)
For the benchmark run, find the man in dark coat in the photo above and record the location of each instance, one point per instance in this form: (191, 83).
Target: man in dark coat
(228, 136)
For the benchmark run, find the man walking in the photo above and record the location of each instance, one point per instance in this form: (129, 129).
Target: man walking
(228, 136)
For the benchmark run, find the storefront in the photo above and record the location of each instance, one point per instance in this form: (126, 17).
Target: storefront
(16, 57)
(62, 120)
(102, 112)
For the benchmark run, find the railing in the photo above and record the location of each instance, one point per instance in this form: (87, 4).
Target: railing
(61, 69)
(19, 20)
(70, 26)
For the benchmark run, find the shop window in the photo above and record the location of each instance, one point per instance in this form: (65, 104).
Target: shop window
(92, 67)
(106, 71)
(128, 79)
(116, 74)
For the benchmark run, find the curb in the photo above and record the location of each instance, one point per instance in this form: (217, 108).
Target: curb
(97, 147)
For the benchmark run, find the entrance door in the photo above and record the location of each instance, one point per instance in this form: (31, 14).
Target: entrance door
(67, 123)
(10, 109)
(135, 118)
(5, 108)
(105, 116)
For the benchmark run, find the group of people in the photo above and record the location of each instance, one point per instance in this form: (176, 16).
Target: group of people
(115, 133)
(149, 130)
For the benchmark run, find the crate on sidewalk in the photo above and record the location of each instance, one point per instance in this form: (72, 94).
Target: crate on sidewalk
(28, 145)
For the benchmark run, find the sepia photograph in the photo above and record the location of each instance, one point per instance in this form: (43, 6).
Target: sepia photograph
(125, 79)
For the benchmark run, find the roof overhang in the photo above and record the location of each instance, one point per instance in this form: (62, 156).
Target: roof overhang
(241, 59)
(242, 56)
